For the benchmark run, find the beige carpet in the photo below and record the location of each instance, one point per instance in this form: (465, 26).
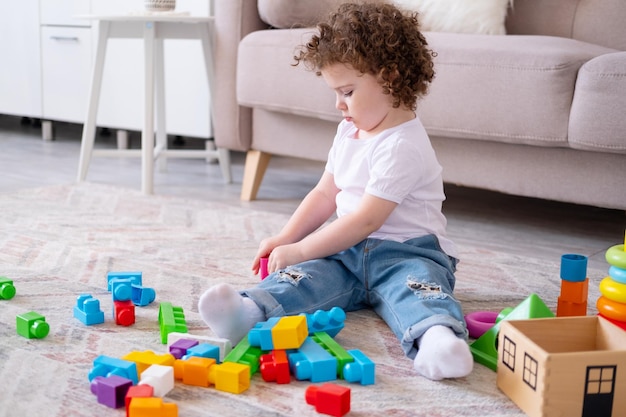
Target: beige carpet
(59, 242)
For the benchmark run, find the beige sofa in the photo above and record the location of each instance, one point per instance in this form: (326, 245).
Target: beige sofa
(538, 112)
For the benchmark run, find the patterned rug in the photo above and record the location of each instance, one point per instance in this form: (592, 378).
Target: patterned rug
(59, 242)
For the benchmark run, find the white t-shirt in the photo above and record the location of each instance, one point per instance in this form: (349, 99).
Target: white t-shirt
(399, 165)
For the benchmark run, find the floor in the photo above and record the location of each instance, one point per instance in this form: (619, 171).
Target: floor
(525, 226)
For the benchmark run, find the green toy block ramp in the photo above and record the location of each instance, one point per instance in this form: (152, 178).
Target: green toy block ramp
(485, 348)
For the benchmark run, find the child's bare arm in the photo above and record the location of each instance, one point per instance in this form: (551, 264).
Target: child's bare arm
(341, 234)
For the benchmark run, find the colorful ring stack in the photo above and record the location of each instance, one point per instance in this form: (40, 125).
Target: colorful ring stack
(612, 303)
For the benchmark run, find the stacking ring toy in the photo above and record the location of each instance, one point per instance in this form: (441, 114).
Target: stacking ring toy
(613, 290)
(611, 309)
(618, 274)
(479, 322)
(616, 256)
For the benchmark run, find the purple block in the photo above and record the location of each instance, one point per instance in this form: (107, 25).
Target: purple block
(111, 391)
(178, 349)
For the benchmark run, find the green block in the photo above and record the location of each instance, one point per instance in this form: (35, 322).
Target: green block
(331, 346)
(485, 348)
(7, 289)
(246, 354)
(32, 325)
(171, 319)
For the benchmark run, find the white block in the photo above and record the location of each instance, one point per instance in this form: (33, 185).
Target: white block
(160, 377)
(224, 344)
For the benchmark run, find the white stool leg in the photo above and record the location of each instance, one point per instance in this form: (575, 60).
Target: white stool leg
(147, 135)
(161, 132)
(89, 128)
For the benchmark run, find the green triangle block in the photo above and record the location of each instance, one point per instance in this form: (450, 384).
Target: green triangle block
(485, 348)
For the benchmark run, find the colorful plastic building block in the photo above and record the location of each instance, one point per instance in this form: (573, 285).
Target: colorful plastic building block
(331, 321)
(331, 399)
(245, 354)
(142, 296)
(193, 371)
(204, 350)
(572, 300)
(160, 378)
(87, 310)
(224, 344)
(138, 391)
(335, 349)
(179, 348)
(263, 268)
(32, 325)
(124, 312)
(134, 277)
(361, 370)
(312, 362)
(7, 289)
(147, 358)
(261, 334)
(171, 319)
(106, 366)
(151, 407)
(275, 367)
(111, 391)
(230, 377)
(484, 349)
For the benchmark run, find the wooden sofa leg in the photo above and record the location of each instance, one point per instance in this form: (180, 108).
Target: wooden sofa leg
(254, 170)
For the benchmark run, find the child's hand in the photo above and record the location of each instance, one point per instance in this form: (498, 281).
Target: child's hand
(265, 248)
(283, 256)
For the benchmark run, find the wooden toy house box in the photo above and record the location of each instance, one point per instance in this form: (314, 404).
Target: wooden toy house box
(564, 366)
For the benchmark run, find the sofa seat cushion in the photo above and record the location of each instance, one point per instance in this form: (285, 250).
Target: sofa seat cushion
(513, 89)
(597, 118)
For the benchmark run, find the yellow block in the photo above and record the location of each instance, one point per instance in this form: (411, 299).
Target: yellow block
(146, 358)
(230, 377)
(290, 332)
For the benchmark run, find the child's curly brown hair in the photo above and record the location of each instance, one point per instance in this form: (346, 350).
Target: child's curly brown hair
(379, 39)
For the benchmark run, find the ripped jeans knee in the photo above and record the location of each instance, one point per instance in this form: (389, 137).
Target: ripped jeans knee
(425, 289)
(291, 275)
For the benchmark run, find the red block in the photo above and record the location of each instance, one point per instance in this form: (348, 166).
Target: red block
(124, 312)
(275, 367)
(138, 391)
(331, 399)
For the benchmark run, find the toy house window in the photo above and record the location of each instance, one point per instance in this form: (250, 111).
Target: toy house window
(600, 379)
(530, 371)
(508, 353)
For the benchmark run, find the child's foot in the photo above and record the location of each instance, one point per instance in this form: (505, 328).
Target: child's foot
(441, 354)
(227, 313)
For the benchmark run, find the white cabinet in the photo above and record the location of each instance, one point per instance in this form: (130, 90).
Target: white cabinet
(20, 67)
(66, 60)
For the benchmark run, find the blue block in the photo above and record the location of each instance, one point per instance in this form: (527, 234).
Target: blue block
(106, 366)
(121, 289)
(312, 362)
(361, 370)
(135, 277)
(142, 296)
(87, 310)
(261, 334)
(203, 350)
(331, 321)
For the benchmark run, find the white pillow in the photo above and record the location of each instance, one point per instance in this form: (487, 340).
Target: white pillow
(460, 16)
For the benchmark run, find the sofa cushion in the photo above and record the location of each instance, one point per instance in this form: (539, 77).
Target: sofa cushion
(460, 16)
(286, 14)
(597, 118)
(515, 89)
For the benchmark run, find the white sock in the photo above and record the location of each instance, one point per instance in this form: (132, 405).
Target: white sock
(441, 354)
(227, 313)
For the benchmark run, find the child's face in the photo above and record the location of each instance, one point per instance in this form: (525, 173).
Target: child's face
(360, 98)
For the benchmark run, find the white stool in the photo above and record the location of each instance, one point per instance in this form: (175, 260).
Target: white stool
(153, 29)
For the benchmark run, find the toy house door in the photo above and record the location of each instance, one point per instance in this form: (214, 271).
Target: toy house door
(599, 391)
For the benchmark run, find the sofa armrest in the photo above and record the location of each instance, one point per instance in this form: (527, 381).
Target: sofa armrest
(232, 124)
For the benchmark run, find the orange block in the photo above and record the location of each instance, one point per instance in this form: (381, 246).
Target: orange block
(566, 308)
(193, 371)
(574, 292)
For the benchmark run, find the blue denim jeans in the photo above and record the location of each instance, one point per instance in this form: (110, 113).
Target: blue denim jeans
(409, 285)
